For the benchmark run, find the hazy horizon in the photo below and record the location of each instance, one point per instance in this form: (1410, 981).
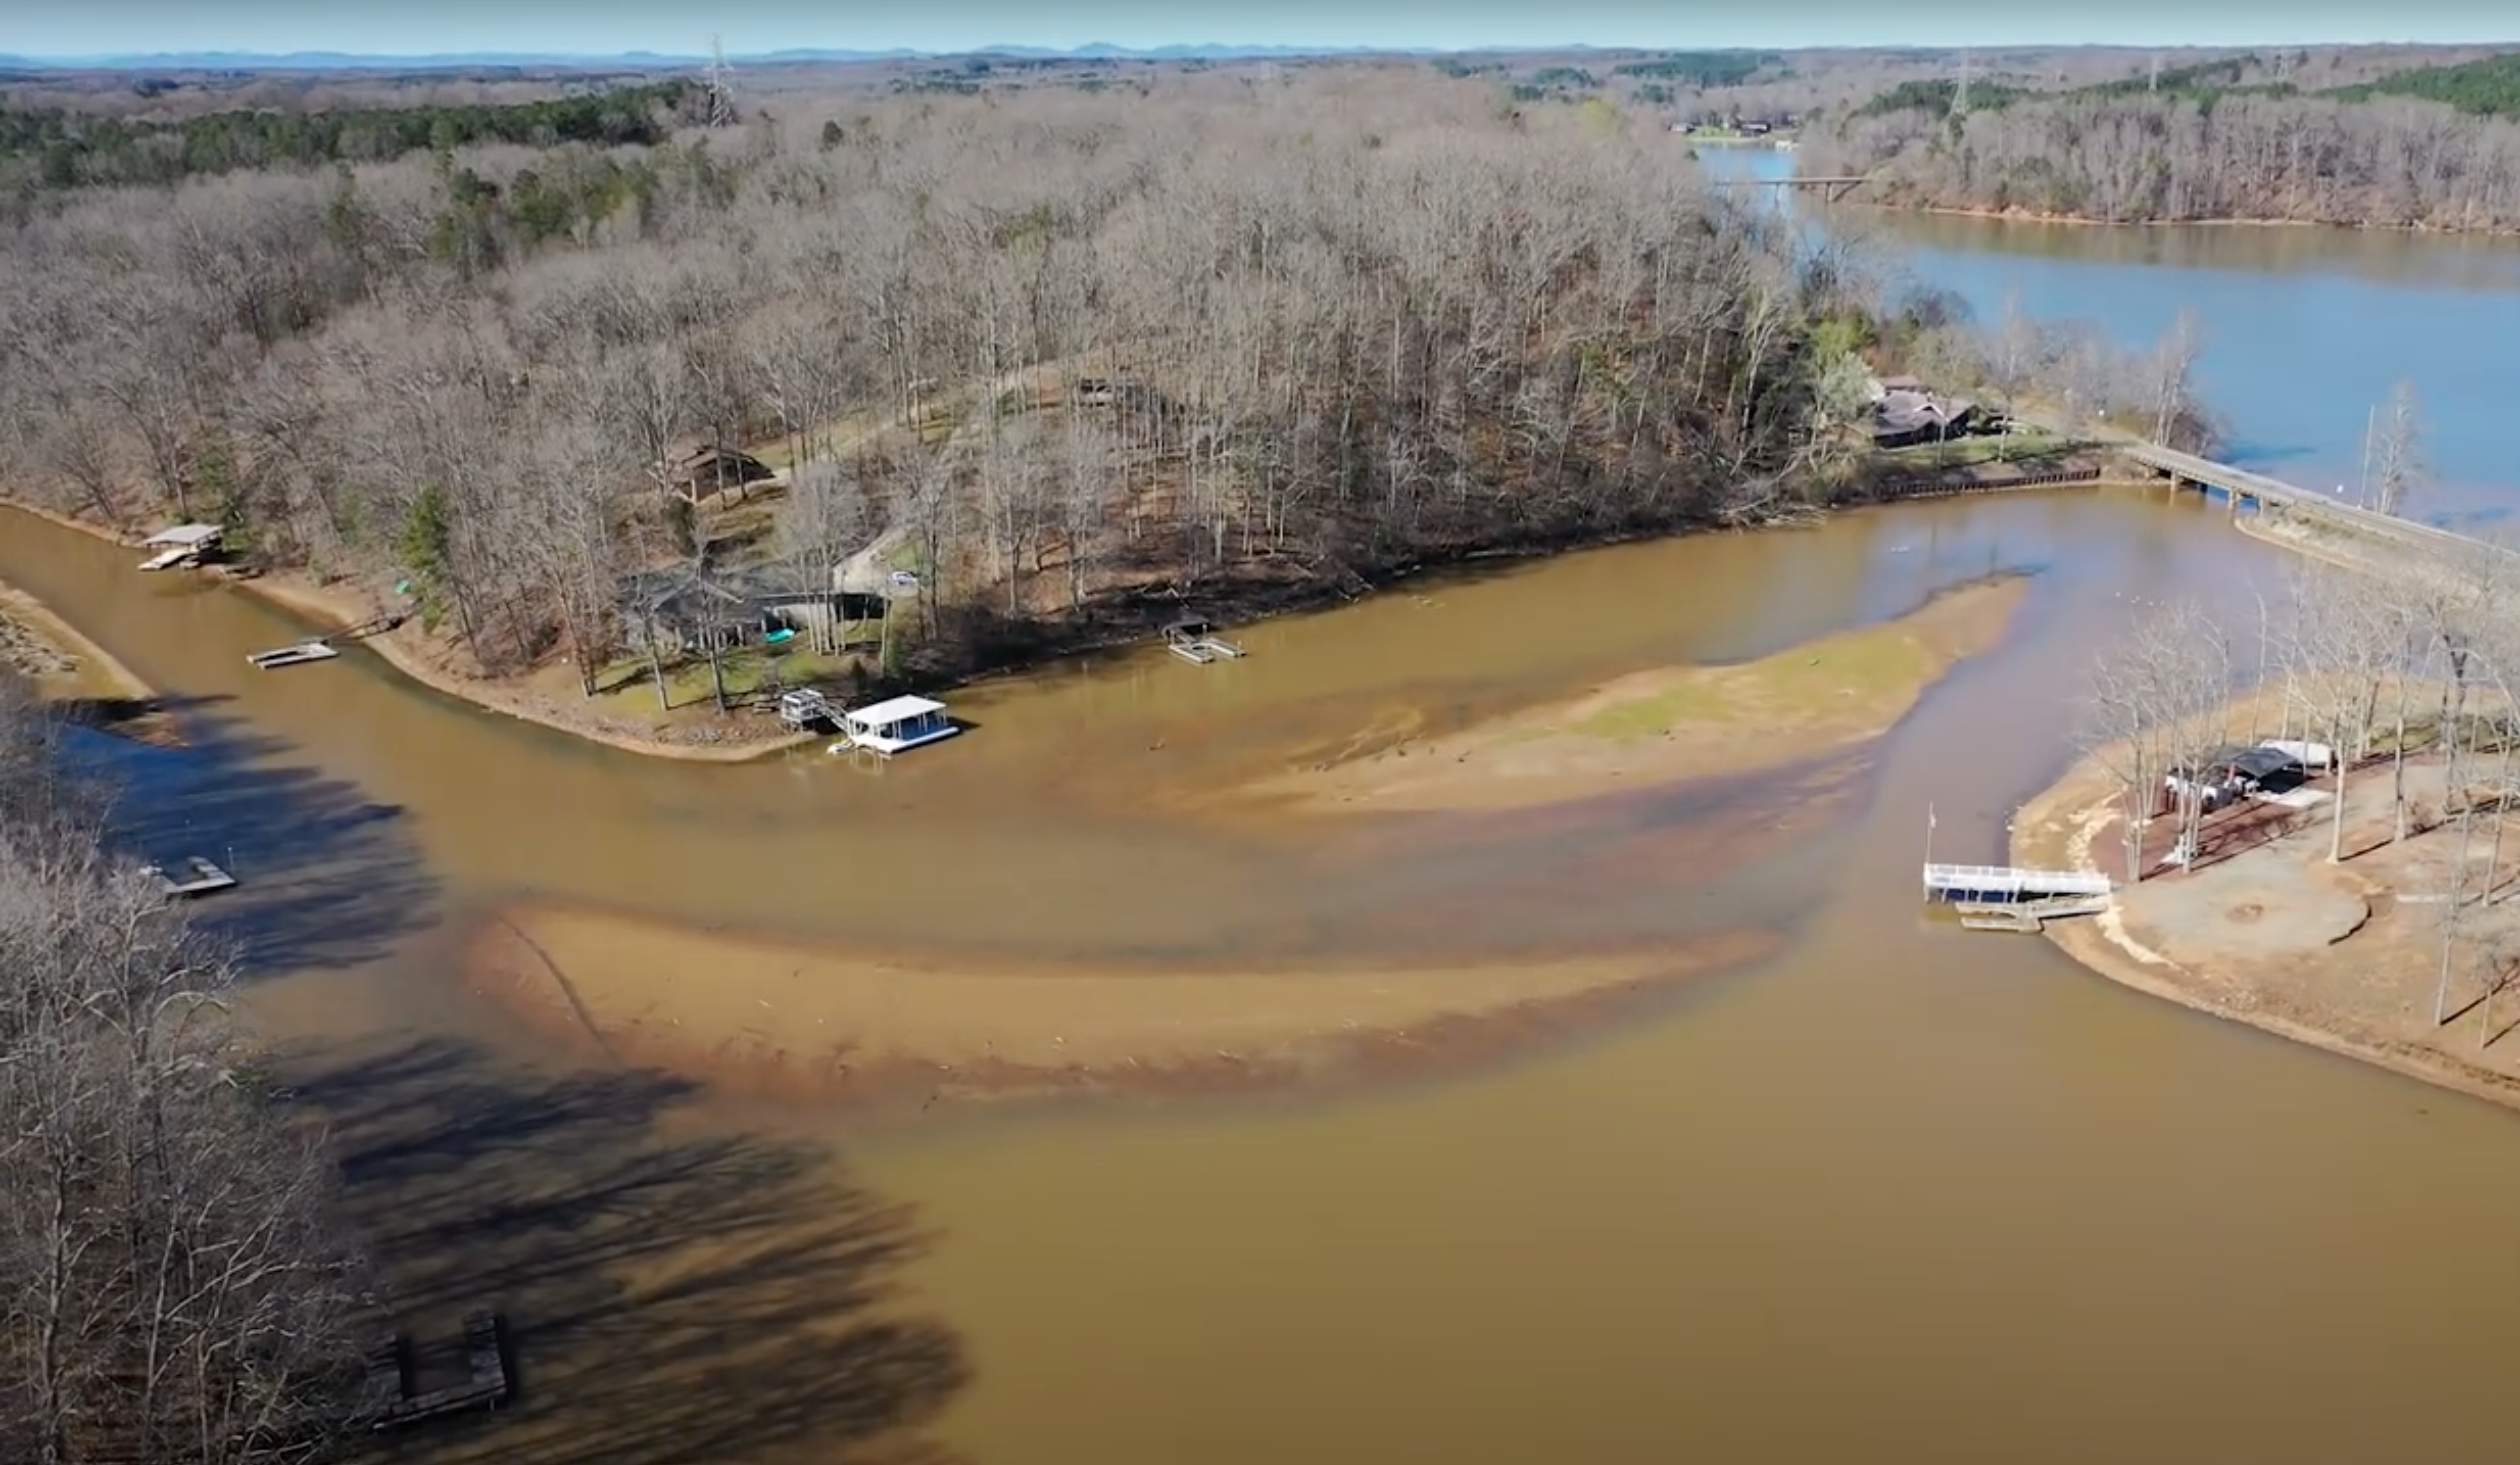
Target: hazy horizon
(139, 28)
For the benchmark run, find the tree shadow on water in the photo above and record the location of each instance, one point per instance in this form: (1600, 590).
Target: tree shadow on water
(673, 1293)
(326, 875)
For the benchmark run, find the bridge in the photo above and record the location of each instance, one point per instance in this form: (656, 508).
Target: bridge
(1831, 189)
(2241, 487)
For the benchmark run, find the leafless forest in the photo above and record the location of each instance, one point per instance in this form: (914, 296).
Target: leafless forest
(1349, 326)
(170, 1289)
(2274, 139)
(1251, 337)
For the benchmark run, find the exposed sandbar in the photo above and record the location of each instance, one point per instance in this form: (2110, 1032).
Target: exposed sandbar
(761, 1013)
(1668, 724)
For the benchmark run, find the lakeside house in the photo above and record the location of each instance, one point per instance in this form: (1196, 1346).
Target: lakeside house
(1903, 418)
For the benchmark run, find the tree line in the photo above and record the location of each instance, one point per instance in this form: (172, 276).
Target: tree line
(2431, 148)
(59, 147)
(1244, 338)
(172, 1285)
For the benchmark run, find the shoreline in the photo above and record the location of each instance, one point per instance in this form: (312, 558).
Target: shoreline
(330, 611)
(2055, 828)
(332, 607)
(2019, 215)
(98, 676)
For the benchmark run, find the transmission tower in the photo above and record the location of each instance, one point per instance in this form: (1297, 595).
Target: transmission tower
(721, 91)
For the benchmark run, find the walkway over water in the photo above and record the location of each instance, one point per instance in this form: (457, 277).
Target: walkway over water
(2243, 487)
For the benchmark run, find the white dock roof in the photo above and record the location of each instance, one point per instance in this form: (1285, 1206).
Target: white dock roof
(895, 710)
(182, 536)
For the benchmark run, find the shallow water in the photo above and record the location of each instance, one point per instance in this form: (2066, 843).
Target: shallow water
(1900, 1188)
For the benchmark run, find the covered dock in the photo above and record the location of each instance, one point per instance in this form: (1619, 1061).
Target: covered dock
(185, 544)
(896, 725)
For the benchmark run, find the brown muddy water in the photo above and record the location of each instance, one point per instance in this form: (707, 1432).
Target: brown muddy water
(1897, 1189)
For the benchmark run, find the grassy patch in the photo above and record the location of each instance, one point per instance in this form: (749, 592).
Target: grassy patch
(1854, 673)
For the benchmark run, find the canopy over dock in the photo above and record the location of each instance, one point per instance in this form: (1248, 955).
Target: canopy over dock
(184, 536)
(183, 544)
(896, 725)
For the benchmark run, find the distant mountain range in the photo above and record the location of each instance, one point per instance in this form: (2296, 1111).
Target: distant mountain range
(338, 60)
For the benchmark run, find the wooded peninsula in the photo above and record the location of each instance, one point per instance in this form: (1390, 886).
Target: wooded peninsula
(1068, 358)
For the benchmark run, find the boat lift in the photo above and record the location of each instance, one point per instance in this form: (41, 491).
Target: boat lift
(1196, 642)
(293, 656)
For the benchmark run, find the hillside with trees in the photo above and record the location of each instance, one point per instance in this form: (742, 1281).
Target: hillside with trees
(2234, 138)
(1251, 342)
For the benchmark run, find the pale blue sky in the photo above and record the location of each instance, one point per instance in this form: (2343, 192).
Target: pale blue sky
(597, 27)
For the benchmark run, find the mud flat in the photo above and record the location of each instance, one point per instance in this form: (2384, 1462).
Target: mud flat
(2266, 931)
(758, 1014)
(74, 672)
(1665, 725)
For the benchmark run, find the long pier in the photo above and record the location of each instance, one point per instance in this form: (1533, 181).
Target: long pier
(2245, 488)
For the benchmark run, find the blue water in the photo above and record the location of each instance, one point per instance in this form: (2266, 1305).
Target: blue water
(2306, 329)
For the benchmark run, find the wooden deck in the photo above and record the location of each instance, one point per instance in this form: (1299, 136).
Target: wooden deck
(392, 1370)
(190, 877)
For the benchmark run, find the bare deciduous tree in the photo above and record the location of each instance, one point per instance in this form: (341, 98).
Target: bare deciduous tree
(170, 1287)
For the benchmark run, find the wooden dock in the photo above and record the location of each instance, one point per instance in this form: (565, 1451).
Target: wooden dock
(2028, 917)
(298, 655)
(391, 1377)
(191, 877)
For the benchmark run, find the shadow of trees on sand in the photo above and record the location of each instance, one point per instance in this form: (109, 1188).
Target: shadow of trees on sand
(673, 1293)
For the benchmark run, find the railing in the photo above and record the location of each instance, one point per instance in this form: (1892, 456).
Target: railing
(2207, 473)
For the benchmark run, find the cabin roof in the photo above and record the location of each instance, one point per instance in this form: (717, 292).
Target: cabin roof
(182, 536)
(895, 710)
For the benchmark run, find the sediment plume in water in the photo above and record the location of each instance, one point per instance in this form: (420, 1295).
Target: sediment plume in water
(1391, 990)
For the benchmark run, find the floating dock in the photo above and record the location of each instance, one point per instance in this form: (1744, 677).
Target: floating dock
(1197, 643)
(2028, 917)
(191, 877)
(388, 1391)
(895, 726)
(293, 656)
